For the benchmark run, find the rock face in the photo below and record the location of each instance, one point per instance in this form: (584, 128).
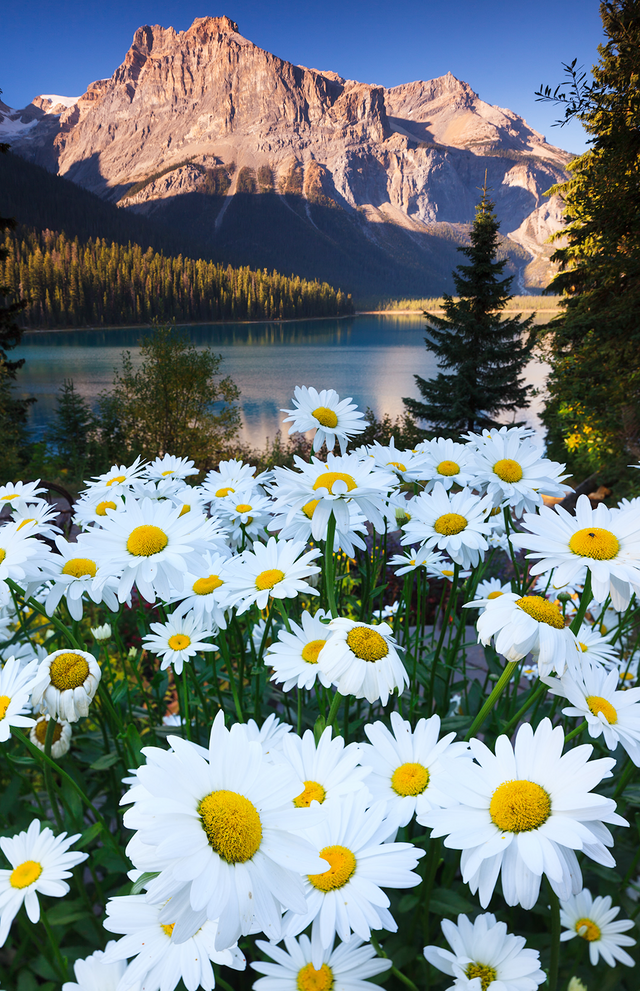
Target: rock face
(207, 111)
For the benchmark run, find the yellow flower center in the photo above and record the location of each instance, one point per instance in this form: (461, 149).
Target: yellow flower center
(310, 979)
(3, 554)
(367, 644)
(68, 671)
(326, 417)
(583, 647)
(24, 523)
(243, 507)
(145, 541)
(448, 468)
(396, 464)
(5, 702)
(179, 641)
(508, 470)
(41, 731)
(25, 874)
(309, 508)
(169, 472)
(447, 573)
(588, 930)
(599, 705)
(221, 493)
(12, 495)
(168, 929)
(80, 567)
(410, 779)
(269, 578)
(519, 806)
(594, 542)
(232, 825)
(185, 509)
(484, 972)
(450, 524)
(542, 610)
(329, 478)
(313, 791)
(343, 866)
(102, 507)
(117, 478)
(494, 595)
(311, 650)
(204, 586)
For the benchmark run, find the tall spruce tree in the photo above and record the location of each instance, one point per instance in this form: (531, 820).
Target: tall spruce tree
(482, 353)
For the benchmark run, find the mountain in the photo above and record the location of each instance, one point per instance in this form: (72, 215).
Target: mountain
(273, 164)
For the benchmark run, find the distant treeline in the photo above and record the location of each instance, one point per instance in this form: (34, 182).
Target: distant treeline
(69, 283)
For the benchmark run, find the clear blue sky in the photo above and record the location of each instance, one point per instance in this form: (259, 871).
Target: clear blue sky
(503, 48)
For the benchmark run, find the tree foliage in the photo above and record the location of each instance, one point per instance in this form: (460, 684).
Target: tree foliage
(593, 408)
(482, 353)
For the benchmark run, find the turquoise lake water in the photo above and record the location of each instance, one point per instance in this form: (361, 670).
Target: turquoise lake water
(371, 358)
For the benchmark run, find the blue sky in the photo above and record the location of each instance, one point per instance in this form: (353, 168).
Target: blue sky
(503, 48)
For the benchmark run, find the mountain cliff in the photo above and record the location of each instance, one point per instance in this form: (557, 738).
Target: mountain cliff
(271, 163)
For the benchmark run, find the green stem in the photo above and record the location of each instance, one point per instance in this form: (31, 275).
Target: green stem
(61, 963)
(576, 731)
(333, 711)
(624, 777)
(48, 775)
(329, 573)
(282, 609)
(555, 940)
(33, 604)
(394, 970)
(585, 599)
(532, 698)
(498, 689)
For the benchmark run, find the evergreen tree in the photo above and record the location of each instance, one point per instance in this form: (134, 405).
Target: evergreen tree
(593, 411)
(71, 432)
(482, 353)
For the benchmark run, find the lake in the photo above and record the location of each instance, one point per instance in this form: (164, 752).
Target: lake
(372, 358)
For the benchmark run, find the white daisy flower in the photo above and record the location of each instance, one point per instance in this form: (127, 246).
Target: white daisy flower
(101, 633)
(41, 514)
(606, 541)
(244, 513)
(188, 499)
(407, 465)
(593, 920)
(61, 736)
(16, 684)
(16, 493)
(160, 962)
(118, 480)
(277, 570)
(169, 466)
(223, 832)
(390, 611)
(475, 440)
(271, 735)
(65, 684)
(39, 862)
(344, 969)
(72, 573)
(596, 648)
(592, 692)
(514, 472)
(490, 588)
(21, 554)
(229, 476)
(348, 895)
(294, 656)
(455, 523)
(150, 545)
(406, 765)
(530, 672)
(485, 957)
(95, 974)
(363, 661)
(299, 526)
(522, 624)
(329, 770)
(524, 812)
(327, 415)
(202, 590)
(178, 640)
(444, 461)
(444, 568)
(90, 510)
(413, 559)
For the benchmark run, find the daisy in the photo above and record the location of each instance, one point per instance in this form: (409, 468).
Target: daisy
(593, 920)
(299, 526)
(615, 715)
(407, 465)
(443, 568)
(456, 524)
(229, 476)
(151, 545)
(220, 825)
(169, 466)
(362, 660)
(524, 812)
(604, 541)
(39, 862)
(188, 499)
(160, 962)
(21, 554)
(95, 974)
(16, 493)
(277, 571)
(294, 656)
(324, 413)
(329, 770)
(202, 590)
(348, 895)
(524, 624)
(596, 648)
(117, 480)
(72, 572)
(513, 472)
(90, 509)
(271, 735)
(423, 557)
(406, 765)
(178, 640)
(61, 736)
(244, 513)
(66, 683)
(41, 514)
(444, 461)
(490, 588)
(101, 633)
(16, 685)
(346, 968)
(485, 956)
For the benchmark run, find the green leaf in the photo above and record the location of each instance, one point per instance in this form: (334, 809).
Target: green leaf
(143, 880)
(107, 760)
(446, 902)
(65, 912)
(88, 836)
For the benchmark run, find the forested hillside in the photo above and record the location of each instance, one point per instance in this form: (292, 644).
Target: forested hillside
(72, 283)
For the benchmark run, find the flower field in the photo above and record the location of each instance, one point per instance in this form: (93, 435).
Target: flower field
(369, 721)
